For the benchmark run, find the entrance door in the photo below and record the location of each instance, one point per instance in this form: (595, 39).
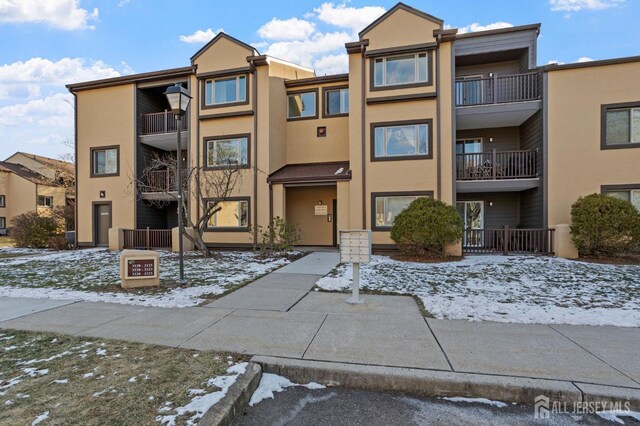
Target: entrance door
(472, 212)
(102, 223)
(470, 90)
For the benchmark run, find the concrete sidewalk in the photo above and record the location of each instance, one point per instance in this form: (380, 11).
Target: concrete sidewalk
(277, 316)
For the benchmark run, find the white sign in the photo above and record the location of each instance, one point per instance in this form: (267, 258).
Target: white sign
(355, 246)
(321, 210)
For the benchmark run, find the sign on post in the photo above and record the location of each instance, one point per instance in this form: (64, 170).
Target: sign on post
(355, 248)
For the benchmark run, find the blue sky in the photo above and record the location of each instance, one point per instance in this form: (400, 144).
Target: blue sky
(46, 44)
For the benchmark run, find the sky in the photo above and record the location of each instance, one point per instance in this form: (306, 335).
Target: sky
(45, 44)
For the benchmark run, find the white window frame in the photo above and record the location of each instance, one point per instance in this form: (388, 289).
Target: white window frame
(211, 145)
(47, 201)
(212, 82)
(315, 105)
(211, 223)
(632, 127)
(417, 141)
(416, 80)
(342, 111)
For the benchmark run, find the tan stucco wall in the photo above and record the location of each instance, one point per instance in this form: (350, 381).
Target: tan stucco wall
(300, 210)
(30, 163)
(105, 117)
(401, 28)
(576, 164)
(58, 194)
(223, 55)
(21, 197)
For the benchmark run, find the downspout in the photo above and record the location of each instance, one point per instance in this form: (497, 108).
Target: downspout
(270, 202)
(254, 71)
(363, 141)
(75, 171)
(438, 137)
(198, 191)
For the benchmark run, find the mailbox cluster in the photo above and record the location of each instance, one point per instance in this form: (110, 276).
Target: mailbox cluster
(355, 246)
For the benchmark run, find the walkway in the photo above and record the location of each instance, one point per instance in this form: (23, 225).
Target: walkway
(278, 316)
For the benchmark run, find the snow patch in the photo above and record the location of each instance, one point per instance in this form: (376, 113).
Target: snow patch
(61, 381)
(272, 383)
(41, 418)
(486, 401)
(615, 416)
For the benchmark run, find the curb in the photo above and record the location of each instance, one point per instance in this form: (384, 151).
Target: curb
(234, 402)
(434, 383)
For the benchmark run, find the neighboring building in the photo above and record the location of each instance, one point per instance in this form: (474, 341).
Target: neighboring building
(469, 119)
(32, 183)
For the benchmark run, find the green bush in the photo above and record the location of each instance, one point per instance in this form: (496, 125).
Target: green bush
(33, 230)
(604, 226)
(426, 227)
(279, 237)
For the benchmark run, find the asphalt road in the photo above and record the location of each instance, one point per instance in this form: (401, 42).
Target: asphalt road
(337, 406)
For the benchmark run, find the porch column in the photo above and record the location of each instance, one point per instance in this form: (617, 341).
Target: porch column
(278, 200)
(343, 192)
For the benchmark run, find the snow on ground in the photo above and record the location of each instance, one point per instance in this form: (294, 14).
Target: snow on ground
(519, 289)
(618, 416)
(200, 404)
(272, 383)
(91, 275)
(486, 401)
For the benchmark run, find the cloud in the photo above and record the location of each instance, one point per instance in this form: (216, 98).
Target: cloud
(332, 64)
(288, 29)
(304, 52)
(60, 14)
(581, 59)
(200, 36)
(353, 18)
(475, 27)
(123, 3)
(584, 59)
(52, 111)
(578, 5)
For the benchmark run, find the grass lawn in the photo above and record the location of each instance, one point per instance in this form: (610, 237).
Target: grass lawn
(6, 242)
(519, 289)
(70, 380)
(93, 275)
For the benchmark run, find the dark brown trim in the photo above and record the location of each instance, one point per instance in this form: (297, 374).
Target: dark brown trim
(372, 137)
(255, 152)
(75, 171)
(203, 99)
(336, 78)
(603, 62)
(229, 246)
(258, 60)
(3, 218)
(104, 148)
(444, 36)
(234, 228)
(206, 139)
(375, 195)
(402, 98)
(94, 230)
(619, 187)
(363, 136)
(3, 201)
(134, 78)
(218, 37)
(224, 73)
(296, 92)
(325, 104)
(328, 178)
(427, 83)
(406, 9)
(85, 244)
(390, 51)
(356, 46)
(603, 125)
(499, 31)
(226, 115)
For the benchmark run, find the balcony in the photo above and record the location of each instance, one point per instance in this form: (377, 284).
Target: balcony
(158, 129)
(497, 101)
(497, 171)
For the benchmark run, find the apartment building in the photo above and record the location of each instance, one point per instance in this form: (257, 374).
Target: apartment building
(469, 119)
(31, 183)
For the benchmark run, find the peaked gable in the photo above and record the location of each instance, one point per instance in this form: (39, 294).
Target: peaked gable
(252, 51)
(394, 9)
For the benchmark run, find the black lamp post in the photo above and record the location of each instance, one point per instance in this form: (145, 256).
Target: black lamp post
(179, 98)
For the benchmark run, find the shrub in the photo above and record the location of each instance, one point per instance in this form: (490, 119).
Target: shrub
(604, 226)
(33, 230)
(58, 243)
(426, 227)
(279, 237)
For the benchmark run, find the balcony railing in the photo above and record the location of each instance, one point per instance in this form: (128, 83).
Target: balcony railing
(497, 165)
(147, 238)
(161, 122)
(498, 89)
(161, 181)
(508, 241)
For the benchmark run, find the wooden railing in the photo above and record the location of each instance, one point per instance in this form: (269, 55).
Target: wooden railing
(508, 241)
(161, 122)
(496, 165)
(147, 238)
(161, 181)
(498, 89)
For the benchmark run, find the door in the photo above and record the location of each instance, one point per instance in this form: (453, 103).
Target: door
(470, 90)
(469, 157)
(102, 223)
(334, 217)
(472, 212)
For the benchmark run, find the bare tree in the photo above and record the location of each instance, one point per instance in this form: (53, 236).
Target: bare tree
(65, 177)
(209, 187)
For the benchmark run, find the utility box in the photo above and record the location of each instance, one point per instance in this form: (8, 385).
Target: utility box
(139, 268)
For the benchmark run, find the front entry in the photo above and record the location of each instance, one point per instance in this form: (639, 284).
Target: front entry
(313, 209)
(472, 212)
(101, 223)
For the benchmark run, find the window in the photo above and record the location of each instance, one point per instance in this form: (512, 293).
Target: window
(410, 68)
(226, 90)
(44, 201)
(230, 151)
(104, 161)
(336, 102)
(630, 195)
(302, 105)
(3, 201)
(408, 140)
(3, 223)
(621, 125)
(387, 207)
(232, 214)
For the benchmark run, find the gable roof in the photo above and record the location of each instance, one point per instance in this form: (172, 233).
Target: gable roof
(393, 10)
(26, 173)
(132, 78)
(46, 161)
(222, 34)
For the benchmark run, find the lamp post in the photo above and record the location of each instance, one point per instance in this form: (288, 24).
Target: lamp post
(179, 98)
